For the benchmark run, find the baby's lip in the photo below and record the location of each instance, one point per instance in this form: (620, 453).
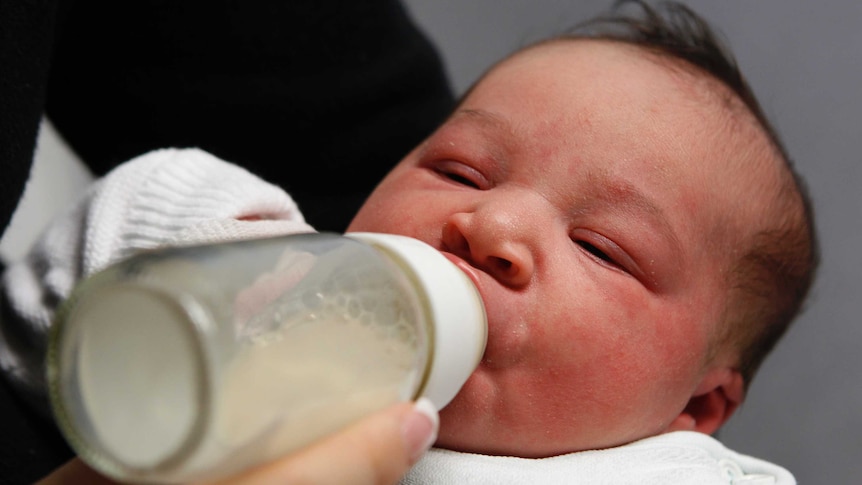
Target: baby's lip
(464, 266)
(506, 342)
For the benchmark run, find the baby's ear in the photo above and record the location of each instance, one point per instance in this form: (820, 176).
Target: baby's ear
(720, 392)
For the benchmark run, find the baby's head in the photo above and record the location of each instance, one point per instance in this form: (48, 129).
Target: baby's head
(633, 226)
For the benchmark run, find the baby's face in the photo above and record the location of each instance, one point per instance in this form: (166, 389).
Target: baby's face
(576, 188)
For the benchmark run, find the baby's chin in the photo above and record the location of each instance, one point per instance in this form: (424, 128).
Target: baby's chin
(482, 437)
(480, 420)
(456, 435)
(476, 421)
(468, 423)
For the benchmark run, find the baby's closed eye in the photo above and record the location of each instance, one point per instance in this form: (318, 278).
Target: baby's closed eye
(601, 249)
(586, 246)
(461, 174)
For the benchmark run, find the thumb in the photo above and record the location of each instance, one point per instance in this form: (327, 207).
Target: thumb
(377, 450)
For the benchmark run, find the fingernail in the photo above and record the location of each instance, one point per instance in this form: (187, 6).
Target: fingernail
(420, 428)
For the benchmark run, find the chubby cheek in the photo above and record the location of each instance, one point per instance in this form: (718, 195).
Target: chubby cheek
(395, 211)
(642, 366)
(614, 368)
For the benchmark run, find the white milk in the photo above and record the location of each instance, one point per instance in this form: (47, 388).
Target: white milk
(283, 389)
(287, 391)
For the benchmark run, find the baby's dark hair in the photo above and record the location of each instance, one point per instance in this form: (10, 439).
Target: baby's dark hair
(773, 275)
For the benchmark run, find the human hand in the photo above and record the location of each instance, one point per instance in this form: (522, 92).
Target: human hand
(376, 450)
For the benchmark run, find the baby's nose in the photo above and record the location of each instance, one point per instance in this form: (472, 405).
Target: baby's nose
(498, 238)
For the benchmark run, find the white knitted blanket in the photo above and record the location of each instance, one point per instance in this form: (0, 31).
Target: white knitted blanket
(679, 458)
(167, 197)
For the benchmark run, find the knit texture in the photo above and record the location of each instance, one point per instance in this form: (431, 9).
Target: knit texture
(679, 458)
(168, 197)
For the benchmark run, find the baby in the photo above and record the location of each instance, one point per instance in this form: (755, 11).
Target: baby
(633, 225)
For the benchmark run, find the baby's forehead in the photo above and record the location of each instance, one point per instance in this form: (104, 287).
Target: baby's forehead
(702, 86)
(741, 137)
(725, 117)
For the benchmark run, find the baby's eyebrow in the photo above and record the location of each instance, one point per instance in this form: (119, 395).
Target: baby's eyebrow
(626, 196)
(485, 117)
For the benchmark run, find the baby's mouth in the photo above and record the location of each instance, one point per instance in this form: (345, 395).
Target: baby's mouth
(464, 266)
(473, 274)
(507, 337)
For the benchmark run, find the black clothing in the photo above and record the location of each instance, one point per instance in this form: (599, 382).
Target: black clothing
(26, 39)
(319, 97)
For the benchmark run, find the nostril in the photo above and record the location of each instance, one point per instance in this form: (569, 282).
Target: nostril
(502, 264)
(460, 248)
(454, 241)
(515, 272)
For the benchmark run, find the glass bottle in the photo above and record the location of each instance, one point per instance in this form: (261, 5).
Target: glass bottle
(194, 363)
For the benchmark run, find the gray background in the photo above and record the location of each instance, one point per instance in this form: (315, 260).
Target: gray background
(804, 61)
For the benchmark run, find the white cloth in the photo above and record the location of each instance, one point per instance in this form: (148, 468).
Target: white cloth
(167, 197)
(679, 458)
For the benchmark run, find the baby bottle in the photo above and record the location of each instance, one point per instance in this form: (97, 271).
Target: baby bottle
(194, 363)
